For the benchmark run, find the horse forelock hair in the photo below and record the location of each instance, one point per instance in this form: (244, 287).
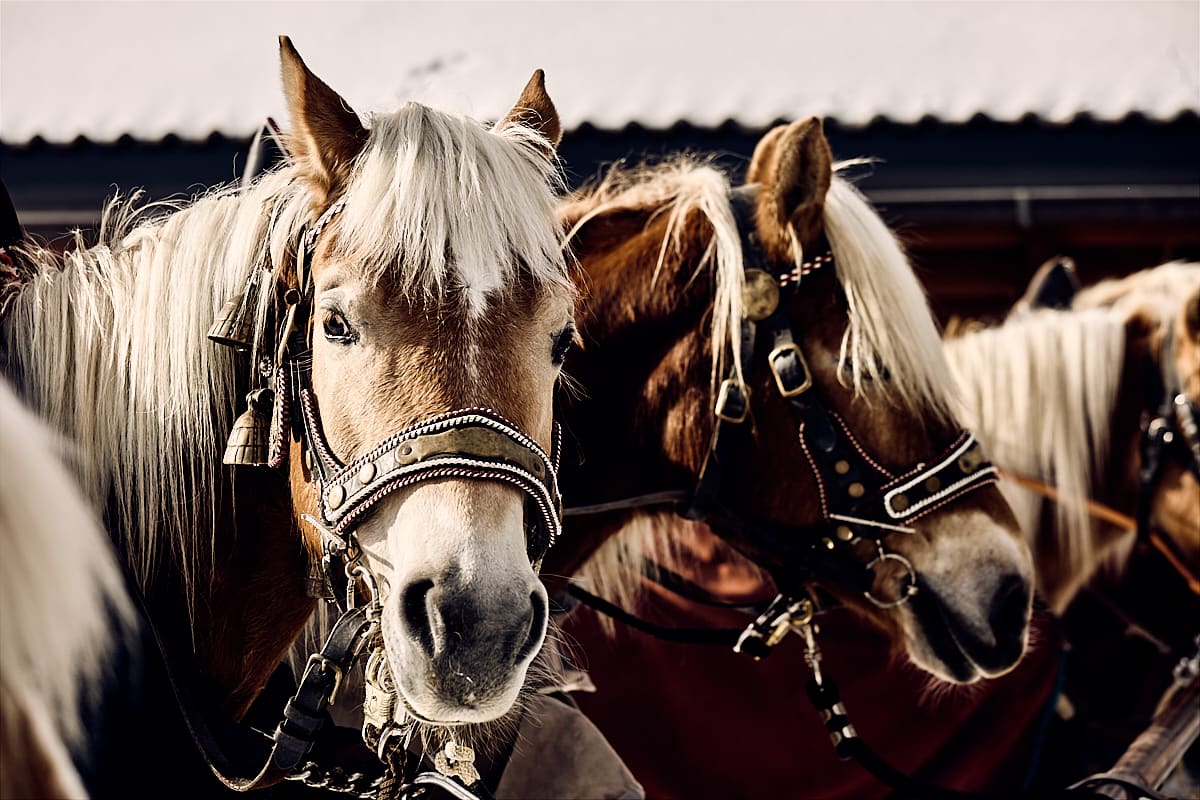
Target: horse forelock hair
(437, 202)
(890, 325)
(62, 600)
(891, 328)
(1039, 391)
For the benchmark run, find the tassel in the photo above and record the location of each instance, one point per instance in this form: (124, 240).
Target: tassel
(234, 325)
(250, 438)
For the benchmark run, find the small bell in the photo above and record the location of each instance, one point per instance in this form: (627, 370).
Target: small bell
(249, 441)
(234, 325)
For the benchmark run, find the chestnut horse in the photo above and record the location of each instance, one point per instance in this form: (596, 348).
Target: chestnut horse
(1063, 397)
(669, 257)
(62, 606)
(407, 306)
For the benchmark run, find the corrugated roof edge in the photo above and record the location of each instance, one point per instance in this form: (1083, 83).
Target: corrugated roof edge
(729, 123)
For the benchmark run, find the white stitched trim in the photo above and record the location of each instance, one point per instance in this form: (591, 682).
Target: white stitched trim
(904, 487)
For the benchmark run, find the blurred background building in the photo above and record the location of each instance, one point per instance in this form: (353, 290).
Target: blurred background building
(1004, 133)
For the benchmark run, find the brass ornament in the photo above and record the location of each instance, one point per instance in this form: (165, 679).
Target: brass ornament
(234, 324)
(760, 295)
(249, 441)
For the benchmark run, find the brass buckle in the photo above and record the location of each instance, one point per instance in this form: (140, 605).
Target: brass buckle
(323, 663)
(728, 387)
(805, 385)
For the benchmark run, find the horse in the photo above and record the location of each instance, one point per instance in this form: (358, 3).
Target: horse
(1062, 396)
(677, 385)
(400, 310)
(1091, 411)
(62, 605)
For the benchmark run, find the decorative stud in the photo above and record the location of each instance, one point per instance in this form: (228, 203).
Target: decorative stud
(932, 484)
(249, 442)
(844, 533)
(900, 502)
(829, 545)
(367, 473)
(760, 295)
(335, 495)
(855, 489)
(841, 467)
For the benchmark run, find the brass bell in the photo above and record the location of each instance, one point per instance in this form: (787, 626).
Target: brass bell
(234, 325)
(249, 441)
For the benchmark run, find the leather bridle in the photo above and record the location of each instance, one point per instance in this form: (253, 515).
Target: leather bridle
(860, 500)
(465, 443)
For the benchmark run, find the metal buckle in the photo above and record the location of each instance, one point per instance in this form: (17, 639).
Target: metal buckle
(318, 660)
(732, 390)
(780, 352)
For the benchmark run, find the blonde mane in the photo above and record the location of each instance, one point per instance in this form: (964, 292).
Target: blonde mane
(109, 343)
(890, 325)
(1039, 392)
(62, 600)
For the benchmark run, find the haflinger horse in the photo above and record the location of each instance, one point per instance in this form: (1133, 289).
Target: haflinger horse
(62, 607)
(763, 359)
(1096, 402)
(401, 310)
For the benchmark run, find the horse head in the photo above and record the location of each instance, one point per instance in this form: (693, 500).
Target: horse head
(439, 310)
(899, 517)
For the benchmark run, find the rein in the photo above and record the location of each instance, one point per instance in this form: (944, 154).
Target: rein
(1107, 514)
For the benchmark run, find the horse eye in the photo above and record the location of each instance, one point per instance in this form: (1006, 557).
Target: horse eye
(337, 330)
(562, 343)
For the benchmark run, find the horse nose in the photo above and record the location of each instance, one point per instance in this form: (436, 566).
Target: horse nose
(449, 621)
(1009, 614)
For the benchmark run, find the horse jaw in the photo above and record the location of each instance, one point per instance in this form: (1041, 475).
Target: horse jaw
(464, 613)
(969, 618)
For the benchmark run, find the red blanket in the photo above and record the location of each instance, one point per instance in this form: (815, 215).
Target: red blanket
(698, 722)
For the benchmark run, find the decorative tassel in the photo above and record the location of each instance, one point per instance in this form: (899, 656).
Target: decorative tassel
(250, 438)
(234, 325)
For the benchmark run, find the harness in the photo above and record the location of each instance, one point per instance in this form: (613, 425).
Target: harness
(466, 443)
(860, 500)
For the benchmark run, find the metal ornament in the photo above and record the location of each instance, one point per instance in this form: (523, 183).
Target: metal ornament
(250, 438)
(760, 295)
(234, 325)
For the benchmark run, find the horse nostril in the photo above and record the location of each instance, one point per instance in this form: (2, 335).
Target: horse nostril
(1010, 606)
(416, 613)
(537, 624)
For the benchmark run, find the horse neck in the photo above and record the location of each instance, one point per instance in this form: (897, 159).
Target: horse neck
(640, 425)
(109, 345)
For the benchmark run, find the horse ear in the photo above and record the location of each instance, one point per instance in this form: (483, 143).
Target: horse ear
(795, 171)
(764, 153)
(326, 133)
(535, 110)
(1054, 285)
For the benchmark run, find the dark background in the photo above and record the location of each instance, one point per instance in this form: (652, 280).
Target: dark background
(980, 205)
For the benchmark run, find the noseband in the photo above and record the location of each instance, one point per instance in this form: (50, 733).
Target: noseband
(466, 443)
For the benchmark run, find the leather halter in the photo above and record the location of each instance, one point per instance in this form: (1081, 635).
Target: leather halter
(860, 500)
(469, 443)
(1170, 427)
